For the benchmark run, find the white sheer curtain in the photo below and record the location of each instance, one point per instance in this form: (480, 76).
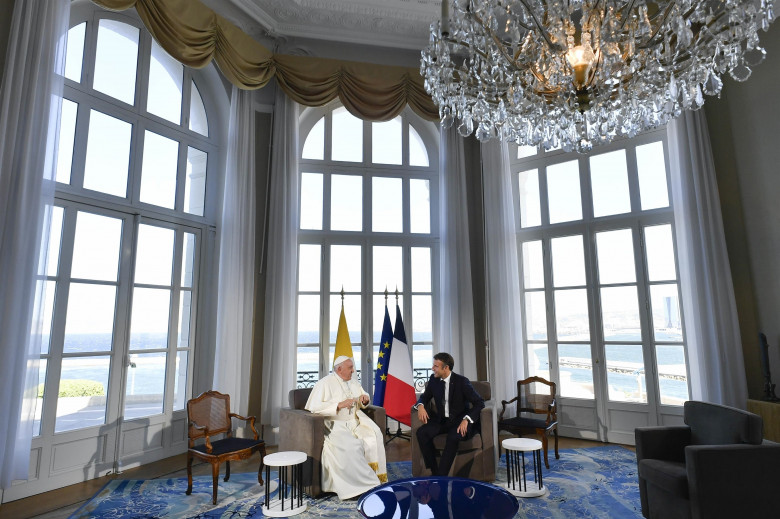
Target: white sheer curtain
(30, 100)
(279, 344)
(502, 272)
(712, 330)
(456, 309)
(237, 257)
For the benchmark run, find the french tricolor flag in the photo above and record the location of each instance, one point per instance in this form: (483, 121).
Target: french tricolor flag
(399, 392)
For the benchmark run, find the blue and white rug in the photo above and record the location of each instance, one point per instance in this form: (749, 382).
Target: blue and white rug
(596, 482)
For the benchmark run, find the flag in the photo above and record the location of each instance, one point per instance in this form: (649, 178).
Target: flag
(343, 343)
(399, 393)
(383, 361)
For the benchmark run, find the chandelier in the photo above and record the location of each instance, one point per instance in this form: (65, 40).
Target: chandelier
(578, 73)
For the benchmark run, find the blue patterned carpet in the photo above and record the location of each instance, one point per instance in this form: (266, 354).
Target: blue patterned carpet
(596, 482)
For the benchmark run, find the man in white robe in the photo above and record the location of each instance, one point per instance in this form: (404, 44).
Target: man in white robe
(353, 453)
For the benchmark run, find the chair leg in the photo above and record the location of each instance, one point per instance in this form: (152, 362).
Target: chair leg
(544, 448)
(215, 482)
(227, 470)
(260, 470)
(555, 432)
(189, 473)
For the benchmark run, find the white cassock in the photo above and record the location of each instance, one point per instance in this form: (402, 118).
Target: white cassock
(353, 453)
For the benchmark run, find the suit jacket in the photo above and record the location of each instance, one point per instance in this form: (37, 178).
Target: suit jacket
(463, 398)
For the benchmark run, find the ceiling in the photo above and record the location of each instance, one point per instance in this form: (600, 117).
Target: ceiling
(400, 24)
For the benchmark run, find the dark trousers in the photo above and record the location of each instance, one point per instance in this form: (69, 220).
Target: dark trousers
(427, 432)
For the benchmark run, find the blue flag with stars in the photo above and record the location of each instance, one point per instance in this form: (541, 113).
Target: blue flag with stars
(383, 361)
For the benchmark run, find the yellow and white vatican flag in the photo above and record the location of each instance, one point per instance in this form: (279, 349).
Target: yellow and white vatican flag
(343, 343)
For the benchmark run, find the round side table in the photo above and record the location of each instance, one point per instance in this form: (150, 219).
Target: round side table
(290, 471)
(517, 482)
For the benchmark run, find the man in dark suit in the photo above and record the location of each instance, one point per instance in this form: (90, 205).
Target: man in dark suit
(457, 407)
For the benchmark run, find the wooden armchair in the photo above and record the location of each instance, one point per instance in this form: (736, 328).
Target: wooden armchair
(535, 396)
(209, 415)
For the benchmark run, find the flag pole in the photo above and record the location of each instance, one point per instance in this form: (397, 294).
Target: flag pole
(398, 432)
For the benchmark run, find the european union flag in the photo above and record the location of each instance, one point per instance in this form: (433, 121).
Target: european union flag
(383, 361)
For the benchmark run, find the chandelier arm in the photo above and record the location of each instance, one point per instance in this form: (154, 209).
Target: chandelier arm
(539, 26)
(652, 40)
(626, 10)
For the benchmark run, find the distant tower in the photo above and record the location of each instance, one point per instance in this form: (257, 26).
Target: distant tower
(668, 311)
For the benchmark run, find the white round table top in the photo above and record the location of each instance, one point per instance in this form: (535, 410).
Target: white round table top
(521, 444)
(284, 458)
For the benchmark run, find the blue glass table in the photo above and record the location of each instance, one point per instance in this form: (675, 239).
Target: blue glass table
(438, 497)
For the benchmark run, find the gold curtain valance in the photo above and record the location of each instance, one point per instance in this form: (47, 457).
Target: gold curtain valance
(194, 34)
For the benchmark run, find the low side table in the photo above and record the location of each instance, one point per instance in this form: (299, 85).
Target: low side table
(517, 481)
(290, 471)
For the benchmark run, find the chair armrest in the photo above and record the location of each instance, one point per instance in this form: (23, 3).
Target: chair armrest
(505, 403)
(378, 415)
(205, 436)
(249, 419)
(662, 443)
(733, 480)
(300, 430)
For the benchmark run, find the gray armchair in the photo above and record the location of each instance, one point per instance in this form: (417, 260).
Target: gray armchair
(476, 457)
(300, 430)
(714, 466)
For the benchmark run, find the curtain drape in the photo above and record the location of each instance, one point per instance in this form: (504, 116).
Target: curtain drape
(505, 340)
(709, 308)
(280, 299)
(456, 311)
(194, 34)
(30, 100)
(235, 293)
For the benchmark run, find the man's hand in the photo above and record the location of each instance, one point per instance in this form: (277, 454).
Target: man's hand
(463, 427)
(422, 414)
(345, 404)
(364, 399)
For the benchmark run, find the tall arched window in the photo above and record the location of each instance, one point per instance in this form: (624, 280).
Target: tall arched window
(368, 223)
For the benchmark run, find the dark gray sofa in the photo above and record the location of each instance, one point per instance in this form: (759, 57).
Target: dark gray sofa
(716, 465)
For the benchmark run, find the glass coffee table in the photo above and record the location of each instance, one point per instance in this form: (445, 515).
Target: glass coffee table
(438, 497)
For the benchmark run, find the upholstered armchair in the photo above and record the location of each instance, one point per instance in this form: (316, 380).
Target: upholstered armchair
(300, 430)
(476, 457)
(716, 465)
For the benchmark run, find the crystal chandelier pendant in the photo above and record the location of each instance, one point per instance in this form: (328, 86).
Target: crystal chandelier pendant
(578, 73)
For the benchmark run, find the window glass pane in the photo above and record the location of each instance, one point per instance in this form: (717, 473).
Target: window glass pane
(90, 318)
(571, 315)
(166, 76)
(67, 137)
(615, 250)
(386, 205)
(195, 183)
(96, 247)
(422, 309)
(418, 153)
(311, 201)
(672, 374)
(55, 238)
(47, 315)
(533, 265)
(199, 122)
(568, 261)
(352, 314)
(626, 373)
(388, 269)
(309, 320)
(346, 203)
(576, 370)
(525, 151)
(108, 154)
(82, 393)
(538, 361)
(660, 253)
(158, 175)
(421, 269)
(145, 385)
(314, 148)
(420, 205)
(309, 261)
(74, 53)
(180, 380)
(345, 268)
(188, 260)
(149, 321)
(185, 316)
(652, 176)
(386, 142)
(379, 314)
(154, 255)
(347, 136)
(620, 312)
(535, 316)
(609, 183)
(422, 360)
(563, 192)
(530, 208)
(308, 366)
(116, 59)
(39, 401)
(667, 325)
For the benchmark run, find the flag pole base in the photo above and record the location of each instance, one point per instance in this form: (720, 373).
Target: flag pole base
(397, 434)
